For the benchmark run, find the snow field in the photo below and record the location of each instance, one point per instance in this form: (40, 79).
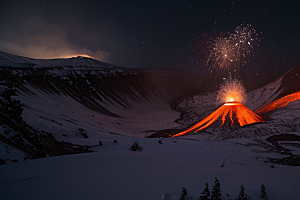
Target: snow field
(160, 170)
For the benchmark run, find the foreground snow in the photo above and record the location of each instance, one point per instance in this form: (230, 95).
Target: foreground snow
(157, 172)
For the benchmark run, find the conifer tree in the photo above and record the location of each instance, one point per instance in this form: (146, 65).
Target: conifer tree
(216, 191)
(242, 195)
(263, 193)
(183, 194)
(205, 194)
(136, 147)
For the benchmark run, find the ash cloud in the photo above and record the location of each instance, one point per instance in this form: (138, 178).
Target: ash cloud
(36, 39)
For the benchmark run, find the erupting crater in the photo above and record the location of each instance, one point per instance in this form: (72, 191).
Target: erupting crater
(233, 110)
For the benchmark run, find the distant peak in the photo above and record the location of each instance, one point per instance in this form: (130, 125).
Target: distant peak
(78, 56)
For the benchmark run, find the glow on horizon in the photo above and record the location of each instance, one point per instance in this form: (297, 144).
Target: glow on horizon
(76, 55)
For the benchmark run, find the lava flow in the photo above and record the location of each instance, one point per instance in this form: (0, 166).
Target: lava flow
(280, 102)
(236, 111)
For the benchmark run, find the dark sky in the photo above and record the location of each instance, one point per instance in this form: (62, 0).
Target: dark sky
(149, 34)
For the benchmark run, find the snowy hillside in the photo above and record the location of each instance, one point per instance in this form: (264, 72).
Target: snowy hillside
(96, 111)
(71, 102)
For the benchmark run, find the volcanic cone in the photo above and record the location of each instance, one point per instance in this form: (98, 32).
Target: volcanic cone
(234, 111)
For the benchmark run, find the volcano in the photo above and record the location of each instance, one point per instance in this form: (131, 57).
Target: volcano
(81, 100)
(235, 111)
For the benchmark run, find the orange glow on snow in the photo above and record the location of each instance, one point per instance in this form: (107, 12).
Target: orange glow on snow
(234, 110)
(280, 102)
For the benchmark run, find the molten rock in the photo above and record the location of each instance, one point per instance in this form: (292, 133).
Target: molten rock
(233, 112)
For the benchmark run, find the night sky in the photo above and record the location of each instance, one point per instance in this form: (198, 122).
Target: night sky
(150, 34)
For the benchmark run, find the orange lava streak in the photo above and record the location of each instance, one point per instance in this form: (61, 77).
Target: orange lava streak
(231, 118)
(223, 117)
(236, 110)
(280, 102)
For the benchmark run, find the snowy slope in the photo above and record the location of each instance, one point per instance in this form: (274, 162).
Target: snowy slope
(80, 103)
(83, 101)
(113, 172)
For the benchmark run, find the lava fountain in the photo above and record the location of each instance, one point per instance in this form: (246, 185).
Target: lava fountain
(233, 93)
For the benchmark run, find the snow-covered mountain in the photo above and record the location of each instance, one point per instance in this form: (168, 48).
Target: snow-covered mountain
(77, 105)
(10, 60)
(81, 100)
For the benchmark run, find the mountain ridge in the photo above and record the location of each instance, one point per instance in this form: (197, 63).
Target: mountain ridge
(80, 105)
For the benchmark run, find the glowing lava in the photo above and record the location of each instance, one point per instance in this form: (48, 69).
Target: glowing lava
(235, 111)
(279, 103)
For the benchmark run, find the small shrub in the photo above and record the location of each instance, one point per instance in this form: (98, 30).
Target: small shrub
(136, 147)
(159, 142)
(82, 132)
(84, 135)
(81, 129)
(115, 141)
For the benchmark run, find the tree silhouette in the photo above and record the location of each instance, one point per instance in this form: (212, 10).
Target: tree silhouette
(242, 195)
(183, 194)
(216, 191)
(136, 147)
(263, 193)
(205, 194)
